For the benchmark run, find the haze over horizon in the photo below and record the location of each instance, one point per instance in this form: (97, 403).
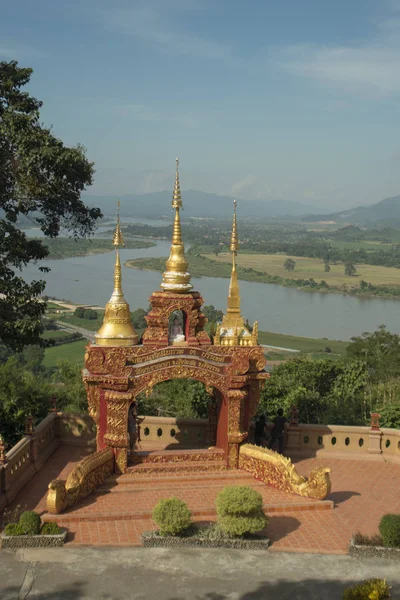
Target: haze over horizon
(293, 101)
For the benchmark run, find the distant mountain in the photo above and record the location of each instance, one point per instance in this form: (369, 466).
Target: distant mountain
(197, 204)
(386, 212)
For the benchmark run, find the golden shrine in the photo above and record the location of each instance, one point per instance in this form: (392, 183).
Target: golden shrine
(118, 367)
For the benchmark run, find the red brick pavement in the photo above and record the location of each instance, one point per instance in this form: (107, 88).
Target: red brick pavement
(362, 492)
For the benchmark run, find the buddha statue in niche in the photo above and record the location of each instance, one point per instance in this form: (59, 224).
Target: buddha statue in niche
(176, 334)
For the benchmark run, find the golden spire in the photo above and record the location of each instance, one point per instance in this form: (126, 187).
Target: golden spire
(117, 328)
(176, 277)
(233, 331)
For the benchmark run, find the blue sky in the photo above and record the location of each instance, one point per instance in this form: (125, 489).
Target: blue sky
(288, 99)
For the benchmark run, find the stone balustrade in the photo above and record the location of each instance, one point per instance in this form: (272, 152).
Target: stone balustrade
(172, 431)
(343, 441)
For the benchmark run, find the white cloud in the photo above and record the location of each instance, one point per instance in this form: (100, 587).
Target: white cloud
(373, 66)
(155, 24)
(242, 185)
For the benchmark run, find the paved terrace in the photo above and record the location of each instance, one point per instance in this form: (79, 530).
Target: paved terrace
(362, 491)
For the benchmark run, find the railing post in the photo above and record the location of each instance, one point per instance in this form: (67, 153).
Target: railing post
(3, 459)
(30, 432)
(375, 435)
(293, 432)
(53, 402)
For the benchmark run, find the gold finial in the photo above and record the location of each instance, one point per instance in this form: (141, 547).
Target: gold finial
(117, 328)
(118, 239)
(176, 278)
(234, 247)
(233, 331)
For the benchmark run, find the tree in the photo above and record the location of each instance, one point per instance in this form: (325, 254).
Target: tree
(350, 269)
(41, 180)
(327, 267)
(289, 264)
(138, 318)
(380, 351)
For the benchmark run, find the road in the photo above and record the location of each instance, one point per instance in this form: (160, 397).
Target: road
(89, 335)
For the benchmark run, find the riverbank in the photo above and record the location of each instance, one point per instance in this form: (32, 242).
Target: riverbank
(220, 267)
(65, 247)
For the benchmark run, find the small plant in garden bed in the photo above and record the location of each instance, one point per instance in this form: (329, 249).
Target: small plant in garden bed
(372, 589)
(50, 529)
(389, 528)
(172, 516)
(365, 540)
(239, 510)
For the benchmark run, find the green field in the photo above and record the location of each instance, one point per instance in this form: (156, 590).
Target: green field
(66, 247)
(90, 324)
(55, 334)
(307, 268)
(305, 345)
(73, 353)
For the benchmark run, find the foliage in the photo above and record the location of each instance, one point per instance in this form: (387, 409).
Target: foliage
(350, 269)
(71, 393)
(380, 351)
(389, 528)
(172, 516)
(289, 264)
(239, 510)
(390, 415)
(50, 528)
(30, 522)
(14, 529)
(86, 313)
(327, 267)
(183, 398)
(65, 247)
(324, 391)
(40, 178)
(371, 589)
(138, 318)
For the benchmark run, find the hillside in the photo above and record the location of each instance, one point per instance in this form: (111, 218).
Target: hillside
(385, 212)
(197, 204)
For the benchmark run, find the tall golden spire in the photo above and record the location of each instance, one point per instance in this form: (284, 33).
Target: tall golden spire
(117, 328)
(232, 331)
(176, 277)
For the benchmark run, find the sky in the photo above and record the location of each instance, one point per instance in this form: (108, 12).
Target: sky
(266, 100)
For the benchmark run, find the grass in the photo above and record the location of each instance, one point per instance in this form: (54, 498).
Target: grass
(73, 353)
(365, 245)
(305, 345)
(55, 334)
(54, 306)
(66, 247)
(312, 267)
(90, 324)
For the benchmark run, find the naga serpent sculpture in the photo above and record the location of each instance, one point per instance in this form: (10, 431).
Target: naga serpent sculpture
(277, 470)
(85, 477)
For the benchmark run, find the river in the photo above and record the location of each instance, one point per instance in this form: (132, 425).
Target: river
(89, 280)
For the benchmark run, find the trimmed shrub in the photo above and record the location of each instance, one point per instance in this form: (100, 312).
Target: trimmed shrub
(14, 529)
(389, 528)
(172, 516)
(372, 589)
(365, 540)
(50, 529)
(30, 522)
(239, 510)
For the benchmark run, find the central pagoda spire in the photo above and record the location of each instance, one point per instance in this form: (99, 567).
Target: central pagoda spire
(232, 331)
(176, 277)
(117, 328)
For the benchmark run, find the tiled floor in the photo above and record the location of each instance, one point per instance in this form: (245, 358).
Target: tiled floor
(362, 491)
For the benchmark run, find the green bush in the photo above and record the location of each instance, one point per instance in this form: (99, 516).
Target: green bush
(238, 500)
(50, 529)
(372, 589)
(389, 528)
(14, 529)
(239, 510)
(172, 516)
(30, 522)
